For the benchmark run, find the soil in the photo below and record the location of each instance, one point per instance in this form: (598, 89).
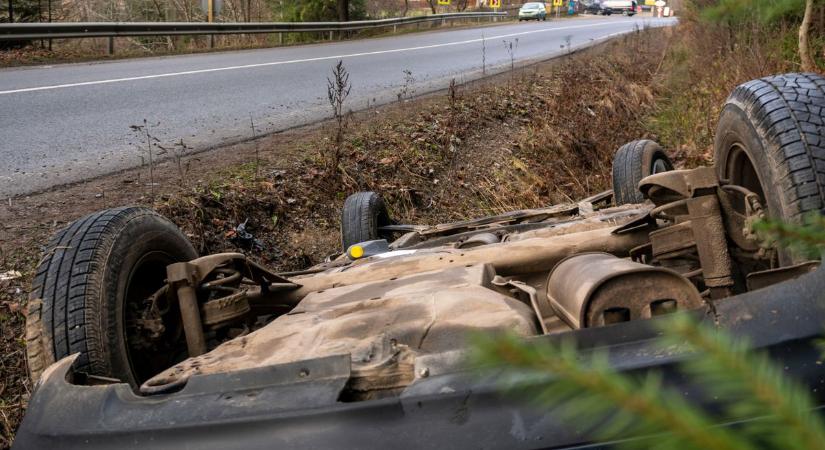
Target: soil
(541, 135)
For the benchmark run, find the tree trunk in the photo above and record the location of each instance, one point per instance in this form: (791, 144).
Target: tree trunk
(432, 5)
(406, 8)
(805, 59)
(11, 12)
(343, 10)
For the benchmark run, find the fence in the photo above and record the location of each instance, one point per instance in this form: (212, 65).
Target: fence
(79, 30)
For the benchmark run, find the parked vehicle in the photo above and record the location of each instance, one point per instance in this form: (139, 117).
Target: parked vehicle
(134, 339)
(532, 11)
(626, 7)
(595, 7)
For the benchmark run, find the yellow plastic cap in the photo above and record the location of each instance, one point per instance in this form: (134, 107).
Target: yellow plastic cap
(356, 251)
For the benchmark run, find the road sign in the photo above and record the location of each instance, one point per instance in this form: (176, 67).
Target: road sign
(558, 2)
(217, 5)
(443, 2)
(495, 3)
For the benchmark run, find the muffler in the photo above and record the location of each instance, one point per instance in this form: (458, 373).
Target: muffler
(595, 289)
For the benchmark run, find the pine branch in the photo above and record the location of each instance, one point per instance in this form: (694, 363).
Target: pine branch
(749, 384)
(592, 394)
(807, 239)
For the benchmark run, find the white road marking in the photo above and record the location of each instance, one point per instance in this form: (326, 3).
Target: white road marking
(294, 61)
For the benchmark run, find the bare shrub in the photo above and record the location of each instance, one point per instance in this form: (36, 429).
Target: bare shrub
(338, 88)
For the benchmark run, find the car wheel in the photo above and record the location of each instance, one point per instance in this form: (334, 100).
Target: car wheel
(90, 290)
(632, 162)
(770, 139)
(363, 214)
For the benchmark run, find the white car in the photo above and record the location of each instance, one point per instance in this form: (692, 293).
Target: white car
(626, 7)
(532, 11)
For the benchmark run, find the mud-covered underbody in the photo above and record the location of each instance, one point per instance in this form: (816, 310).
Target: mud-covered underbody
(529, 273)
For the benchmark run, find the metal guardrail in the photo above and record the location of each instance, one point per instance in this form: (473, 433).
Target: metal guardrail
(75, 30)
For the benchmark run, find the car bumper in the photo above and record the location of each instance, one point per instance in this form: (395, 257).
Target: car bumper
(298, 405)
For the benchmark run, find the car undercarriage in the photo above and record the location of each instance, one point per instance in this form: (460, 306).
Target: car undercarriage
(384, 324)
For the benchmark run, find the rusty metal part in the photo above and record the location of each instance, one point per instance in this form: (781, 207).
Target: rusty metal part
(594, 289)
(225, 309)
(520, 216)
(533, 255)
(742, 208)
(480, 239)
(542, 313)
(674, 247)
(602, 197)
(183, 278)
(221, 276)
(765, 278)
(714, 257)
(382, 325)
(690, 199)
(608, 217)
(667, 187)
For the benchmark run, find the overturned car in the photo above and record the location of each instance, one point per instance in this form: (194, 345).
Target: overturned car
(135, 339)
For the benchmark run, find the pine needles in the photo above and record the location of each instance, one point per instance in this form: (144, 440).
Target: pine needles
(806, 239)
(610, 405)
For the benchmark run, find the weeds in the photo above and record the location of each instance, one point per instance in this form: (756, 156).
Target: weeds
(178, 152)
(407, 90)
(143, 130)
(338, 88)
(511, 47)
(257, 148)
(483, 54)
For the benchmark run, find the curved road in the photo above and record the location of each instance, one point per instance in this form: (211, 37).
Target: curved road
(66, 123)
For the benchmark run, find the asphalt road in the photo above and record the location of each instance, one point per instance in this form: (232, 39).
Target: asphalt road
(71, 122)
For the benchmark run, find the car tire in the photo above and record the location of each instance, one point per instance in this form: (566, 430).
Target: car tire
(770, 139)
(84, 288)
(363, 214)
(632, 162)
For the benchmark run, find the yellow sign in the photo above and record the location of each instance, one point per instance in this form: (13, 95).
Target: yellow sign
(495, 3)
(443, 2)
(650, 2)
(558, 2)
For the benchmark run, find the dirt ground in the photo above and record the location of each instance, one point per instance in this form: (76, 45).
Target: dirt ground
(541, 135)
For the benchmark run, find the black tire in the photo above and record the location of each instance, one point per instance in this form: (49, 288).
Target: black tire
(363, 214)
(771, 140)
(90, 275)
(632, 162)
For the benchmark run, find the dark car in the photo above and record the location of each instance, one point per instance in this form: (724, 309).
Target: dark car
(594, 7)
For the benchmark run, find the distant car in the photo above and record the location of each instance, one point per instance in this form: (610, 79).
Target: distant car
(626, 7)
(595, 7)
(532, 11)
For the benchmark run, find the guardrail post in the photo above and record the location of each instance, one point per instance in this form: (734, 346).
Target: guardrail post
(111, 45)
(394, 28)
(211, 41)
(280, 38)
